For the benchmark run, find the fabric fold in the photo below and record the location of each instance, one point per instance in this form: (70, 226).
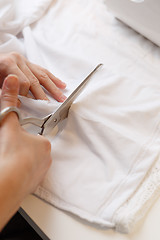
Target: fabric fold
(106, 158)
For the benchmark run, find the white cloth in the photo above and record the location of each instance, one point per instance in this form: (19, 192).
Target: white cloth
(106, 160)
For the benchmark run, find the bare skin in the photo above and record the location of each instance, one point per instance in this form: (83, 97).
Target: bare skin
(31, 77)
(24, 158)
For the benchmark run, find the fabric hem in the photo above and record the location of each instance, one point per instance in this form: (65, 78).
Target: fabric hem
(48, 197)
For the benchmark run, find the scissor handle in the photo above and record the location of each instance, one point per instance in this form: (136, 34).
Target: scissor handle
(7, 110)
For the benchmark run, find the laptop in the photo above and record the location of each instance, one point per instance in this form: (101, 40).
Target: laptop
(141, 15)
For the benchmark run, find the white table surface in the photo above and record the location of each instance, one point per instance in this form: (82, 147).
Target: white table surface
(59, 225)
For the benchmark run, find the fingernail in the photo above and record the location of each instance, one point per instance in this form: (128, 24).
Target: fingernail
(11, 82)
(63, 98)
(64, 84)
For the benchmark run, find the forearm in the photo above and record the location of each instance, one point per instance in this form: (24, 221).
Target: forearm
(12, 191)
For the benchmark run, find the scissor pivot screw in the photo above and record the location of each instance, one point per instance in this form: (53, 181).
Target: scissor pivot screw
(55, 120)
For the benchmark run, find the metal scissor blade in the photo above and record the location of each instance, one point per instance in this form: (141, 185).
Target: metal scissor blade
(62, 112)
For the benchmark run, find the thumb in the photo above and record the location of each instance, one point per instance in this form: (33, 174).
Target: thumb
(10, 89)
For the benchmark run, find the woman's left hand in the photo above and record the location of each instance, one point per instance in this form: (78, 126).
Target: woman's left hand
(31, 77)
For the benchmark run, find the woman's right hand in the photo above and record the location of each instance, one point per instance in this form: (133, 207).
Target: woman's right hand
(24, 158)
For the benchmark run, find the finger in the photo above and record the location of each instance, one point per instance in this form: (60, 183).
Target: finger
(29, 95)
(10, 89)
(36, 69)
(49, 81)
(56, 80)
(18, 101)
(9, 98)
(35, 86)
(51, 88)
(24, 82)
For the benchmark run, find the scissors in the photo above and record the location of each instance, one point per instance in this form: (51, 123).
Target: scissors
(50, 121)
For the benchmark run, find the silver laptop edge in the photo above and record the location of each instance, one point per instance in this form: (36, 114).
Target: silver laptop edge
(142, 16)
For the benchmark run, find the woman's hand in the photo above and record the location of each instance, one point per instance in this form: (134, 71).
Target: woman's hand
(31, 77)
(24, 158)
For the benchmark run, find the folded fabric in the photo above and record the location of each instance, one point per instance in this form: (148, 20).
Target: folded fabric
(106, 160)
